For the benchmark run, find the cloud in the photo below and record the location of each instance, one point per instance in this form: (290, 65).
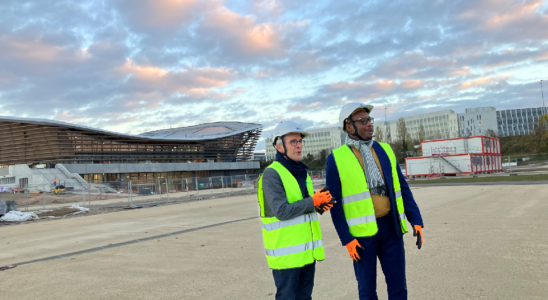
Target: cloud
(194, 82)
(242, 37)
(514, 12)
(268, 8)
(162, 14)
(129, 65)
(483, 81)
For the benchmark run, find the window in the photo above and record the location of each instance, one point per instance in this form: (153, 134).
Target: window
(23, 182)
(7, 180)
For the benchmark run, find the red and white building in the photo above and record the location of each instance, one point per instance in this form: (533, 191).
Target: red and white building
(472, 155)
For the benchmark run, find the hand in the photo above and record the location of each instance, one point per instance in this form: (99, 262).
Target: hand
(417, 231)
(352, 248)
(325, 206)
(323, 201)
(321, 196)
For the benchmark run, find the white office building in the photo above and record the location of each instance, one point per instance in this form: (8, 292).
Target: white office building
(328, 138)
(258, 156)
(518, 121)
(476, 121)
(437, 125)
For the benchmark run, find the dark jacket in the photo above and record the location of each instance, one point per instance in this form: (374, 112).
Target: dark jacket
(412, 212)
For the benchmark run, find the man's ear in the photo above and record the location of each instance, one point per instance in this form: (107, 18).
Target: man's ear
(280, 148)
(348, 127)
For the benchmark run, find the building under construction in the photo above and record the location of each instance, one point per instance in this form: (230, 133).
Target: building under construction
(212, 149)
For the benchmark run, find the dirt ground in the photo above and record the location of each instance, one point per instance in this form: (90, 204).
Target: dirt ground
(58, 212)
(481, 242)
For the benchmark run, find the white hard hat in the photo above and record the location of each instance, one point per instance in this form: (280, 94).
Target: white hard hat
(286, 127)
(349, 109)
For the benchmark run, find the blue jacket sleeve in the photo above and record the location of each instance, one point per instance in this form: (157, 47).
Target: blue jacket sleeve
(337, 214)
(412, 211)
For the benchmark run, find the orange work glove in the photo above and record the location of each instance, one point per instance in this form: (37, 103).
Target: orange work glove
(352, 248)
(322, 196)
(417, 231)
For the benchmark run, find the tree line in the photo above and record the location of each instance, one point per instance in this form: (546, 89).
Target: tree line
(402, 144)
(536, 142)
(314, 163)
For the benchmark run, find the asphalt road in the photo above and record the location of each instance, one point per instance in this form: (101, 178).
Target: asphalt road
(485, 242)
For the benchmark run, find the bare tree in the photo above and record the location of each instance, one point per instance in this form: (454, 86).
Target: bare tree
(388, 137)
(543, 120)
(422, 133)
(401, 130)
(541, 133)
(491, 133)
(409, 142)
(379, 135)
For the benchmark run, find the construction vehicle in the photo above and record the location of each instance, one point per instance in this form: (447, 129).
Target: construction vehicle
(60, 188)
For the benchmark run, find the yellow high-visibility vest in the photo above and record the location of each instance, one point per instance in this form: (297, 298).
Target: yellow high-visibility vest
(356, 198)
(291, 243)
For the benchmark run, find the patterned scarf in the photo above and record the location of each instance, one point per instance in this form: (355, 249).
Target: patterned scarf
(373, 175)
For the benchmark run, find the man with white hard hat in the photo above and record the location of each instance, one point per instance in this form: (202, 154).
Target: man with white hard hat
(288, 206)
(375, 201)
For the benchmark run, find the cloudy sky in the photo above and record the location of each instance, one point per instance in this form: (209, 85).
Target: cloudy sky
(138, 65)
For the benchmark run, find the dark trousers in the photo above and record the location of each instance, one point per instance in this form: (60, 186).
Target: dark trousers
(388, 247)
(295, 284)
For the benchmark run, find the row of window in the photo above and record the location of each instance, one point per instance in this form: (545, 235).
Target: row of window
(478, 160)
(519, 121)
(7, 180)
(523, 111)
(319, 134)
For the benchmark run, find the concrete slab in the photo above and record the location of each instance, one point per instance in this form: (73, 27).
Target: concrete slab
(480, 242)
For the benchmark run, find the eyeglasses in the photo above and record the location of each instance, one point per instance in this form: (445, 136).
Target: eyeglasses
(295, 142)
(363, 120)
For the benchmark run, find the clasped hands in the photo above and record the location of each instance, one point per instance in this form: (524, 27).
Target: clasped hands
(323, 201)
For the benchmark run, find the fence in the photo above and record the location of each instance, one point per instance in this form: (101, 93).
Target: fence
(318, 177)
(135, 192)
(193, 188)
(41, 197)
(526, 159)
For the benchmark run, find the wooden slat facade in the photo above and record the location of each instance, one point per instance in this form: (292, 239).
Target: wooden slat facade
(25, 143)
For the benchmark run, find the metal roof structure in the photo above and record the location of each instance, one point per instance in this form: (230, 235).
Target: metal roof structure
(34, 141)
(206, 131)
(202, 132)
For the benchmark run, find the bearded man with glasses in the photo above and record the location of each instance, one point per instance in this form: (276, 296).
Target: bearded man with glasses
(288, 205)
(375, 201)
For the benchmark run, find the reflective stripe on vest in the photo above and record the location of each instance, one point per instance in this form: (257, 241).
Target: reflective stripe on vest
(290, 243)
(294, 221)
(356, 197)
(293, 249)
(361, 220)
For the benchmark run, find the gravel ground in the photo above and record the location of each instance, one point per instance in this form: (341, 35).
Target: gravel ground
(481, 242)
